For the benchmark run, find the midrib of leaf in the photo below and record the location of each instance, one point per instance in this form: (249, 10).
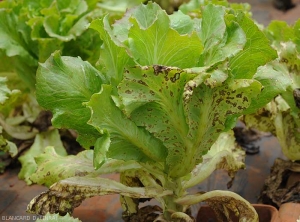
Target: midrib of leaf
(204, 120)
(178, 123)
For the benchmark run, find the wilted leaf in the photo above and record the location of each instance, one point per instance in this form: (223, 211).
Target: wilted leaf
(223, 202)
(67, 194)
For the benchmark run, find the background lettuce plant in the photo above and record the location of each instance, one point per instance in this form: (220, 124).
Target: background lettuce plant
(30, 31)
(157, 107)
(282, 115)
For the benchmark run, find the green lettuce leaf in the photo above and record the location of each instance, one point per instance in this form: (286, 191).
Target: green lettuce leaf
(221, 35)
(287, 131)
(256, 52)
(41, 141)
(52, 167)
(113, 57)
(153, 97)
(63, 85)
(282, 115)
(7, 96)
(187, 126)
(211, 110)
(127, 141)
(273, 77)
(224, 154)
(152, 41)
(7, 146)
(182, 23)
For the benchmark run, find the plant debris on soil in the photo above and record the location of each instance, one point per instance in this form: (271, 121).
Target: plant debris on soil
(283, 184)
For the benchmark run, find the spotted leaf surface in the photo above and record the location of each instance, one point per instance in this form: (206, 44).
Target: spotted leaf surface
(53, 167)
(41, 141)
(153, 98)
(209, 109)
(67, 194)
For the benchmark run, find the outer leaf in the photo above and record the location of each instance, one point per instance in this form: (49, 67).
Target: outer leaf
(287, 132)
(41, 141)
(256, 52)
(63, 85)
(53, 167)
(273, 77)
(210, 109)
(263, 119)
(223, 202)
(224, 154)
(7, 146)
(128, 142)
(153, 97)
(56, 217)
(158, 44)
(67, 194)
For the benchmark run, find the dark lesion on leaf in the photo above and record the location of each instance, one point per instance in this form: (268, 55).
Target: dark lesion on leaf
(142, 82)
(160, 69)
(175, 77)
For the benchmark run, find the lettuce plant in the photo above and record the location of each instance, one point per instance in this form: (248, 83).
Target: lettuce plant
(282, 115)
(30, 31)
(157, 108)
